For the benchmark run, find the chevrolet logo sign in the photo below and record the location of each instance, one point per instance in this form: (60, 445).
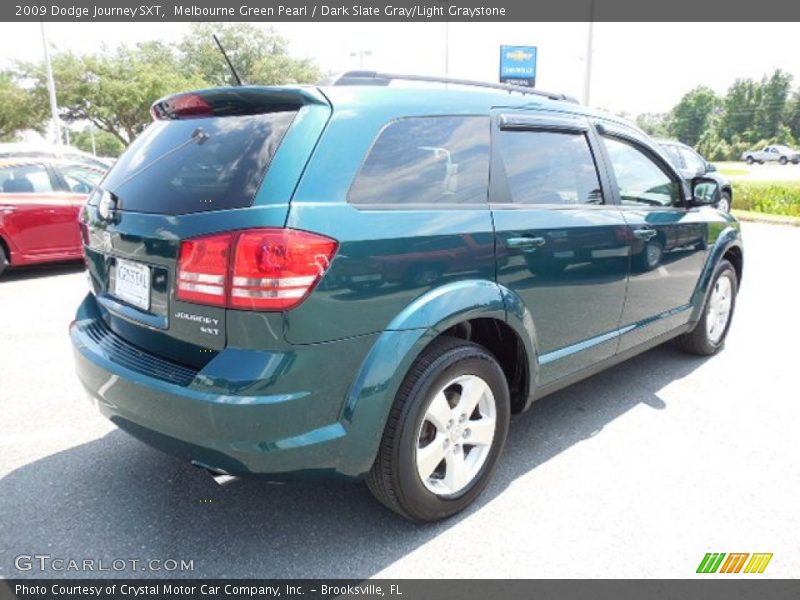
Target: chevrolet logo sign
(519, 55)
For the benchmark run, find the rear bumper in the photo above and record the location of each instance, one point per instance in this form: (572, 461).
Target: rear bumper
(276, 413)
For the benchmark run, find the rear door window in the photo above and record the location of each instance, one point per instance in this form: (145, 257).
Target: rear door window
(546, 167)
(426, 161)
(25, 179)
(194, 165)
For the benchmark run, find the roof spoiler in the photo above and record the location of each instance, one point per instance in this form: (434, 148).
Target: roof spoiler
(235, 101)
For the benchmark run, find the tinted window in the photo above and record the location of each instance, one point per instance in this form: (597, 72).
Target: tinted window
(426, 160)
(640, 179)
(673, 155)
(81, 179)
(25, 179)
(693, 161)
(194, 165)
(545, 167)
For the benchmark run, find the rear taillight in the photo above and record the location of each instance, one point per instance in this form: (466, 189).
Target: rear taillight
(257, 269)
(203, 269)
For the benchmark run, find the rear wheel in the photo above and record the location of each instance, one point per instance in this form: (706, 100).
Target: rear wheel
(708, 336)
(749, 160)
(783, 160)
(445, 432)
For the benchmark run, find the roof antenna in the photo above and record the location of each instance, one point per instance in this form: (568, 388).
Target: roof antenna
(228, 60)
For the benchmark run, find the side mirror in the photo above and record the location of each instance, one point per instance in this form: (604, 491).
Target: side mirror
(705, 192)
(710, 168)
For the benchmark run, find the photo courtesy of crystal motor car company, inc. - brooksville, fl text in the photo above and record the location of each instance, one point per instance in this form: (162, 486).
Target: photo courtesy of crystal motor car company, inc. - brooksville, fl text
(399, 299)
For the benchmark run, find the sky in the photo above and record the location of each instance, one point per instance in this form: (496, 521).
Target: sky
(636, 67)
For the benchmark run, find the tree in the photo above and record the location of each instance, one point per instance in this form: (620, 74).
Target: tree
(105, 143)
(655, 124)
(739, 109)
(692, 115)
(20, 109)
(793, 115)
(772, 108)
(260, 56)
(114, 90)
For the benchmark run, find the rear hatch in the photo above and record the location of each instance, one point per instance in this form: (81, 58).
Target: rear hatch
(212, 162)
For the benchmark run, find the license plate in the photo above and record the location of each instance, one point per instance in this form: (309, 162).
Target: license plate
(132, 283)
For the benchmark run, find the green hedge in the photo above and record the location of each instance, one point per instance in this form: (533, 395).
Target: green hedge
(773, 197)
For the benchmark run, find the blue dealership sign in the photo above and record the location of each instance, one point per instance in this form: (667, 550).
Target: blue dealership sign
(518, 65)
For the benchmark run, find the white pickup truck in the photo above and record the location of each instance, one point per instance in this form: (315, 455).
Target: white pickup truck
(782, 154)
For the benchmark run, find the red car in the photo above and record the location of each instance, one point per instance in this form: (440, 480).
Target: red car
(39, 204)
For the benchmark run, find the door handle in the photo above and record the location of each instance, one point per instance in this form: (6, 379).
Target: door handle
(525, 242)
(644, 234)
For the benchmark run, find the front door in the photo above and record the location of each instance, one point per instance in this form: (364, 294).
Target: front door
(668, 241)
(561, 242)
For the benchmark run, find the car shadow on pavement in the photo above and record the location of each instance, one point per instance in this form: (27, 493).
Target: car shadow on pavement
(115, 498)
(39, 271)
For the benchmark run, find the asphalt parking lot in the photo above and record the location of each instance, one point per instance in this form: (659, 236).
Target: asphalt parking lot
(636, 472)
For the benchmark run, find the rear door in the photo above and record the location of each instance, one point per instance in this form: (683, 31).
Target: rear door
(35, 216)
(668, 241)
(564, 237)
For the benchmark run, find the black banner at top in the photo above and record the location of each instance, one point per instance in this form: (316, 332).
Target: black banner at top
(399, 10)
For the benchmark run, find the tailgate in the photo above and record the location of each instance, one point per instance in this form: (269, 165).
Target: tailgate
(214, 161)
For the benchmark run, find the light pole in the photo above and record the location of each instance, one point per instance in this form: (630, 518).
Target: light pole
(587, 82)
(361, 54)
(51, 88)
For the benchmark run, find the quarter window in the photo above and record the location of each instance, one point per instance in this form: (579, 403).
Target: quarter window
(641, 181)
(426, 160)
(545, 167)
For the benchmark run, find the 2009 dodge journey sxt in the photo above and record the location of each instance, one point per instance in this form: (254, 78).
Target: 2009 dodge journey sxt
(366, 280)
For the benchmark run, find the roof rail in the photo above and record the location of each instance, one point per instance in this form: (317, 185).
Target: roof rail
(376, 78)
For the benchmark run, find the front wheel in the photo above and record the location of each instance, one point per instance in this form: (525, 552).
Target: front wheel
(444, 434)
(708, 336)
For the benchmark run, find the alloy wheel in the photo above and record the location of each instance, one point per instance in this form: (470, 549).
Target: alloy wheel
(719, 309)
(456, 434)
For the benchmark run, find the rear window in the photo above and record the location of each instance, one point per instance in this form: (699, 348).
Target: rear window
(426, 160)
(193, 165)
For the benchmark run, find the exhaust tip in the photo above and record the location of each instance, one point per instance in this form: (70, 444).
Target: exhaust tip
(219, 476)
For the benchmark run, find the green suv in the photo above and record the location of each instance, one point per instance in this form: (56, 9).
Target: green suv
(366, 280)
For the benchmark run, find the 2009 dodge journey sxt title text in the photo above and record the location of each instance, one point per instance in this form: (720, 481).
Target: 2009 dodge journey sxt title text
(367, 280)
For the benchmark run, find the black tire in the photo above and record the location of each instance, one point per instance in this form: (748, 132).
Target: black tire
(3, 259)
(783, 160)
(697, 340)
(393, 479)
(749, 160)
